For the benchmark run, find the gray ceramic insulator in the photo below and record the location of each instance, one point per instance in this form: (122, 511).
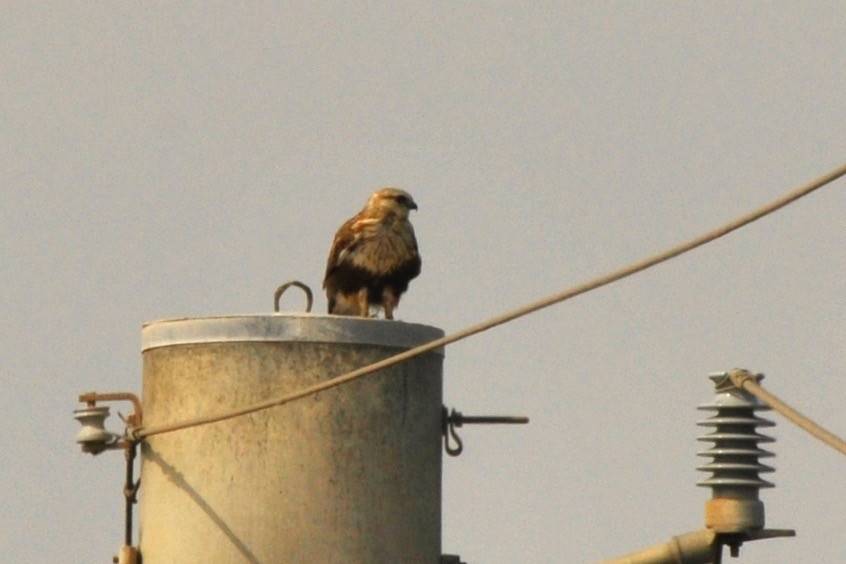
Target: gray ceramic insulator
(735, 453)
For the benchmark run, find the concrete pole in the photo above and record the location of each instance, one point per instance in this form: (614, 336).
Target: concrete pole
(352, 474)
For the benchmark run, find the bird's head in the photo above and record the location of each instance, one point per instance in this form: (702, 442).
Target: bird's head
(389, 201)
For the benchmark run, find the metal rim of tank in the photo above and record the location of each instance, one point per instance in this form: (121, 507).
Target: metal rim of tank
(299, 327)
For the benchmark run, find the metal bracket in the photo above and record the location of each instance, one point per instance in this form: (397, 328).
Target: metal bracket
(734, 540)
(453, 419)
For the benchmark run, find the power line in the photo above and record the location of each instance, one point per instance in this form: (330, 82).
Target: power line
(588, 286)
(744, 379)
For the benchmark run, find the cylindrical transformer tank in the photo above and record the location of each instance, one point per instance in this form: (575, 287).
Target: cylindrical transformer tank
(351, 474)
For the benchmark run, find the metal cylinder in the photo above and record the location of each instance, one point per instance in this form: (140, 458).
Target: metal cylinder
(351, 474)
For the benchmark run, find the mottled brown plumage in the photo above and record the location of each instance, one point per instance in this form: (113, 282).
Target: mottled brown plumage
(373, 257)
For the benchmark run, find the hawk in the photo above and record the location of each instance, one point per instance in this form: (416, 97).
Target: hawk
(373, 257)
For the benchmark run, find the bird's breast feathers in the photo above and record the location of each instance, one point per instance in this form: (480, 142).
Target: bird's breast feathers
(380, 247)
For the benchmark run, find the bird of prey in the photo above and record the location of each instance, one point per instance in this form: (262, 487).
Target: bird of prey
(373, 257)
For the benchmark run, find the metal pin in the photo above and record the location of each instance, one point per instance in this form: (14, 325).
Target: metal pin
(453, 419)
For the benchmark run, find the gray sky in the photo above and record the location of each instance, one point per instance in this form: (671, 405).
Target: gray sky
(163, 161)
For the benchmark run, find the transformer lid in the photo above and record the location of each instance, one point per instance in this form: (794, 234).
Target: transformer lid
(288, 327)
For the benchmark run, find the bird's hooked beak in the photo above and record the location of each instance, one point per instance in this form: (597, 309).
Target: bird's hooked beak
(412, 205)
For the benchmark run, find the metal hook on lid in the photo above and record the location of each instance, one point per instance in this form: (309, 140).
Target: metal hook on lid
(281, 290)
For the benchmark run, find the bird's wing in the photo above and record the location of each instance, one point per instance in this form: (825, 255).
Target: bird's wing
(345, 240)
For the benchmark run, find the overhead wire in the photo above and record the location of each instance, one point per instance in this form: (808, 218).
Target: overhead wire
(745, 380)
(604, 280)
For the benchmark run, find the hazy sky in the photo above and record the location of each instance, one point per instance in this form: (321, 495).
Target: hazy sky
(162, 160)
